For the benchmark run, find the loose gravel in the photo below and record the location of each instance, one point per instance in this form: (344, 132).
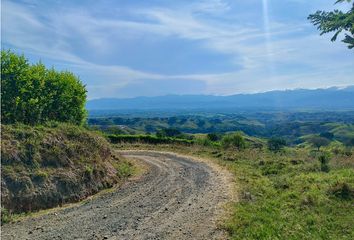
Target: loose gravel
(177, 198)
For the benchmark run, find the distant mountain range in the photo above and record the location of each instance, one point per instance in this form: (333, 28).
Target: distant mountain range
(326, 99)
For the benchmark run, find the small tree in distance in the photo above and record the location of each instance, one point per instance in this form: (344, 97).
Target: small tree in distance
(324, 160)
(276, 144)
(213, 137)
(319, 142)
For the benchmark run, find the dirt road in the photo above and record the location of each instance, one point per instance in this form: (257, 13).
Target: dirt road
(178, 198)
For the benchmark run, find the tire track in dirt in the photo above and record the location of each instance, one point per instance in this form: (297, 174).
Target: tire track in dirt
(178, 198)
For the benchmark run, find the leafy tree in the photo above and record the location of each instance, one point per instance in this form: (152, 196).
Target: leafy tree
(319, 142)
(276, 144)
(336, 21)
(234, 140)
(32, 94)
(67, 97)
(14, 75)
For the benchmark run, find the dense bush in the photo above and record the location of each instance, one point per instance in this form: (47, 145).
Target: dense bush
(235, 140)
(324, 160)
(276, 144)
(33, 94)
(213, 137)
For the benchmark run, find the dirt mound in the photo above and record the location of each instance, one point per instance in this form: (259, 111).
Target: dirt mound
(46, 166)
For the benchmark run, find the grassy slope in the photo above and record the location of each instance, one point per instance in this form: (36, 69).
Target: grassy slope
(46, 166)
(284, 195)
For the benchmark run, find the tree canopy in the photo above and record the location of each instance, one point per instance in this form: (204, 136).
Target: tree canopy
(33, 94)
(318, 142)
(336, 21)
(276, 144)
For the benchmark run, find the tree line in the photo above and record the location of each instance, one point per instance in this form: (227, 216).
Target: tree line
(33, 94)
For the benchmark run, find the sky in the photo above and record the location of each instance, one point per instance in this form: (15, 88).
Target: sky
(129, 48)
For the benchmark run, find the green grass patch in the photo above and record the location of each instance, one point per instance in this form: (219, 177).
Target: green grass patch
(124, 170)
(283, 195)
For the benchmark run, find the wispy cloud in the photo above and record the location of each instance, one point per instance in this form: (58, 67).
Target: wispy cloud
(91, 44)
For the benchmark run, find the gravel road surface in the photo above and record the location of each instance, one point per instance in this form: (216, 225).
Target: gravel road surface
(177, 198)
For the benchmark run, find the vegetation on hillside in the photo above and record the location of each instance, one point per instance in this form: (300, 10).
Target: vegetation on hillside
(46, 166)
(295, 127)
(33, 94)
(291, 193)
(47, 159)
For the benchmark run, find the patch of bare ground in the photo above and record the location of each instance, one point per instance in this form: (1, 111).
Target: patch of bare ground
(179, 197)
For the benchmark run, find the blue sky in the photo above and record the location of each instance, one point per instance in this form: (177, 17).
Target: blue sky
(126, 48)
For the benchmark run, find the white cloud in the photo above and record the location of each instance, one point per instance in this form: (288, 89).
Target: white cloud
(51, 34)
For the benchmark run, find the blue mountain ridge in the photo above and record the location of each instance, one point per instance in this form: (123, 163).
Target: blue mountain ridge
(331, 98)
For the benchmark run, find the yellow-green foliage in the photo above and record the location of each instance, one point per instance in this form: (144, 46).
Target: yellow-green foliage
(124, 169)
(33, 94)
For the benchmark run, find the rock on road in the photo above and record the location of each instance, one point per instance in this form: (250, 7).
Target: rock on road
(177, 198)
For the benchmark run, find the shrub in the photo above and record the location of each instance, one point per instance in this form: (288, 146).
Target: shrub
(324, 160)
(124, 169)
(348, 152)
(32, 94)
(276, 144)
(88, 170)
(235, 140)
(5, 216)
(213, 137)
(342, 190)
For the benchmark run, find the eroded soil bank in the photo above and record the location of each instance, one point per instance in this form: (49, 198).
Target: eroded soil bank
(178, 198)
